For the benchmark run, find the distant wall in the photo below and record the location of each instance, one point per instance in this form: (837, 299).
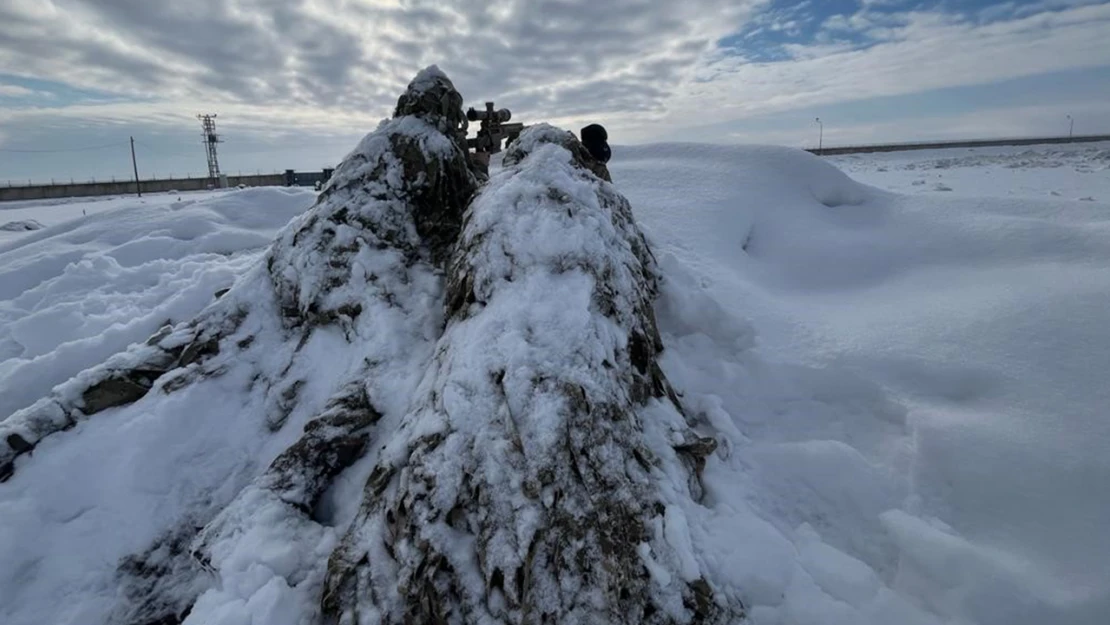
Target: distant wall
(84, 189)
(940, 145)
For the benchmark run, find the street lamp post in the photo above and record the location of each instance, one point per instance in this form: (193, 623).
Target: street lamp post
(820, 136)
(1071, 126)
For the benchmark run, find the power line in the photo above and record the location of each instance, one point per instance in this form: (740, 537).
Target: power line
(84, 149)
(163, 151)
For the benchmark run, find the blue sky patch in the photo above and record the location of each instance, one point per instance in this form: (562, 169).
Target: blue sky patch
(860, 25)
(22, 91)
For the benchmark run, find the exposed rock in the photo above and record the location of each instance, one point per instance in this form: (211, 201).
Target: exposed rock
(299, 476)
(25, 225)
(123, 379)
(158, 586)
(124, 388)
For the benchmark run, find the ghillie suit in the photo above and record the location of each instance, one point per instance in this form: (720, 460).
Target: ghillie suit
(521, 487)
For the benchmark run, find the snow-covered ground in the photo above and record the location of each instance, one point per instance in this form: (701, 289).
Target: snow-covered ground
(60, 210)
(1066, 172)
(109, 272)
(909, 386)
(937, 410)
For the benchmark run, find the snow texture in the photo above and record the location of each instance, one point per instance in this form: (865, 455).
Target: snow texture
(919, 384)
(1073, 172)
(77, 292)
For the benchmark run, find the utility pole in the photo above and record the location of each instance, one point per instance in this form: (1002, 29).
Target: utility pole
(820, 136)
(1071, 126)
(135, 166)
(208, 122)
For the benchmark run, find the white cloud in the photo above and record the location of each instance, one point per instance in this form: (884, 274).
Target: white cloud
(639, 66)
(551, 56)
(930, 51)
(15, 91)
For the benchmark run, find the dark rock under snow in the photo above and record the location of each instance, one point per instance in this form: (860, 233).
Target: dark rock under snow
(25, 225)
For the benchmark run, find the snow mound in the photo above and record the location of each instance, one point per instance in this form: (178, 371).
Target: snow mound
(22, 226)
(741, 193)
(938, 416)
(339, 346)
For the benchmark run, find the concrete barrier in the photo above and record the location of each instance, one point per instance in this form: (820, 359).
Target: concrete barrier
(940, 145)
(87, 189)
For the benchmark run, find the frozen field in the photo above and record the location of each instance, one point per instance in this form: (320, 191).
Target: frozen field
(1065, 172)
(906, 358)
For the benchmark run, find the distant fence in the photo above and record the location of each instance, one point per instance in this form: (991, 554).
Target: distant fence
(125, 187)
(940, 145)
(85, 189)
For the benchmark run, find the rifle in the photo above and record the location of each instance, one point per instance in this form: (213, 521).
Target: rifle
(492, 132)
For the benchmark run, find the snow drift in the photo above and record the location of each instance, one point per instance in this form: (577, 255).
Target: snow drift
(81, 291)
(946, 427)
(21, 226)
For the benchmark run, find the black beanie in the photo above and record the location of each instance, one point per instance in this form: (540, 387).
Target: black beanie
(596, 140)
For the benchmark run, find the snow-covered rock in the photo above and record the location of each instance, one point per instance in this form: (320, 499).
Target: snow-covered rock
(25, 225)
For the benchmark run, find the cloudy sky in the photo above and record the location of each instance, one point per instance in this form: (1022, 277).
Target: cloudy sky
(296, 82)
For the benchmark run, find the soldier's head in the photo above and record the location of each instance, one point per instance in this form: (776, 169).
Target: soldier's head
(596, 141)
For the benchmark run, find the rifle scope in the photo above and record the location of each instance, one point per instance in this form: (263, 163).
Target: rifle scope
(499, 116)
